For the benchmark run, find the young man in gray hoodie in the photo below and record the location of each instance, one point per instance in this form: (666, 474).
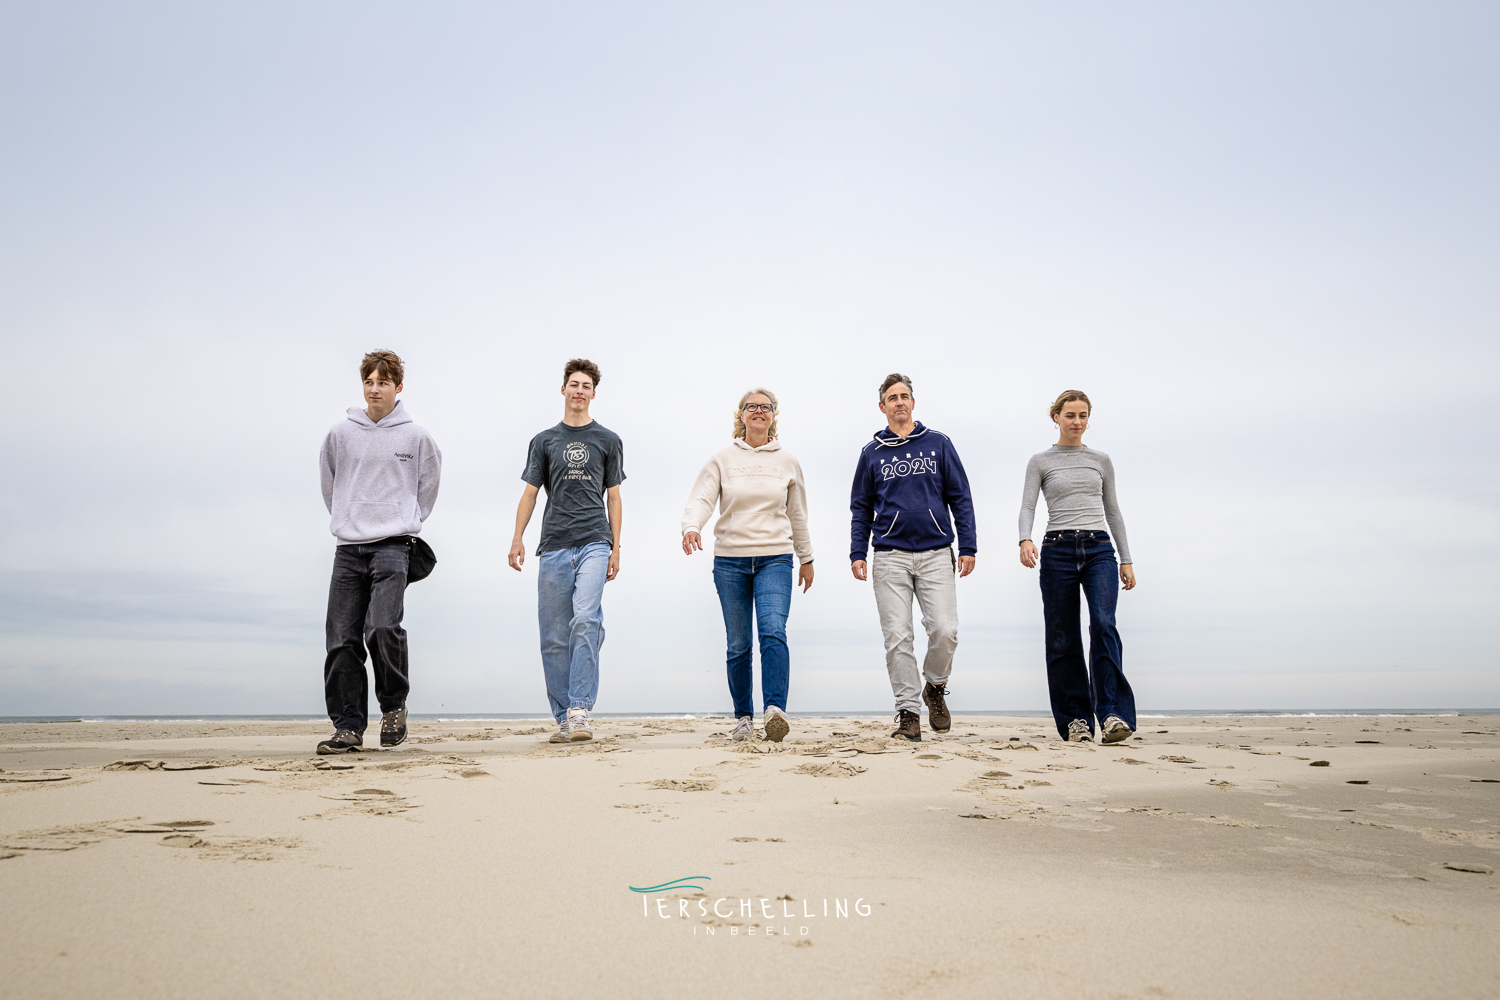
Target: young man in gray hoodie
(380, 479)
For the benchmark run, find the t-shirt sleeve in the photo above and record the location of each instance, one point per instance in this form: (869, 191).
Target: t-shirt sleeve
(535, 473)
(614, 464)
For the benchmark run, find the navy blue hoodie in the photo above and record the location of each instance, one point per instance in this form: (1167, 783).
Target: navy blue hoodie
(903, 491)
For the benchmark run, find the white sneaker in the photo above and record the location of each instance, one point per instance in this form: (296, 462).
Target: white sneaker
(578, 725)
(744, 729)
(1078, 732)
(1114, 730)
(561, 736)
(776, 724)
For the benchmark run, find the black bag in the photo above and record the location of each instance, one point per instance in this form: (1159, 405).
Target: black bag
(421, 560)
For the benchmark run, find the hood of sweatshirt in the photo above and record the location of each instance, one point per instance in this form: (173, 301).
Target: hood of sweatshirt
(398, 415)
(887, 438)
(771, 445)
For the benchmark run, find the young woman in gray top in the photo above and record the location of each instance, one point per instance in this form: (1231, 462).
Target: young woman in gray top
(1077, 554)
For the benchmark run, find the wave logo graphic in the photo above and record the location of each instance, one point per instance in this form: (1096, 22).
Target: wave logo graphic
(689, 882)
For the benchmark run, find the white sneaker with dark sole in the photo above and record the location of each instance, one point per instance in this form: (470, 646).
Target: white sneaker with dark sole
(1079, 732)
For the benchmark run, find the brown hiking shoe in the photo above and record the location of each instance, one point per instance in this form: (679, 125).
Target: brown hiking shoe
(937, 709)
(908, 726)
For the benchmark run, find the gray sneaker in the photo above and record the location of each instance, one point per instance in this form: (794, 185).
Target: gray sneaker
(561, 736)
(578, 725)
(1114, 730)
(343, 741)
(393, 727)
(744, 729)
(1079, 731)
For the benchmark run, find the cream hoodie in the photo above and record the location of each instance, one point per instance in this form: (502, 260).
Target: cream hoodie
(762, 502)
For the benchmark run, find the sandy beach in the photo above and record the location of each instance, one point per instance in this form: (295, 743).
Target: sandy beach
(1208, 858)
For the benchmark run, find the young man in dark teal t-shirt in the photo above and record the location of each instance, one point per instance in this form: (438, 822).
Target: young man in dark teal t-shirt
(581, 466)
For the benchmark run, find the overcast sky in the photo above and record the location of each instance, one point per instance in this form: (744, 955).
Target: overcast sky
(1263, 237)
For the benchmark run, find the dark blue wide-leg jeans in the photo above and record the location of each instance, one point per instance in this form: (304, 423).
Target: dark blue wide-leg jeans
(756, 590)
(1074, 561)
(366, 602)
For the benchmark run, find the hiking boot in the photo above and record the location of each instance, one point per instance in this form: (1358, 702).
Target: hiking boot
(744, 729)
(1114, 730)
(908, 726)
(343, 741)
(393, 727)
(937, 709)
(776, 725)
(561, 736)
(578, 725)
(1079, 731)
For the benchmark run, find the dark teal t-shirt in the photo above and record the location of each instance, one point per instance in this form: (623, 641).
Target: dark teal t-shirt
(575, 465)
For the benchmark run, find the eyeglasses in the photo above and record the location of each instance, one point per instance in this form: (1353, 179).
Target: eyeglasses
(759, 408)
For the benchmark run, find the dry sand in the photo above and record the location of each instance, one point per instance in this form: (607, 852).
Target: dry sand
(1210, 859)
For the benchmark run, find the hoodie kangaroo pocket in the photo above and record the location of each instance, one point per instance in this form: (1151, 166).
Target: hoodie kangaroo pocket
(369, 518)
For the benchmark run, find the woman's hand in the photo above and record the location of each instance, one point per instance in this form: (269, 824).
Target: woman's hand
(1127, 576)
(691, 542)
(1028, 554)
(805, 575)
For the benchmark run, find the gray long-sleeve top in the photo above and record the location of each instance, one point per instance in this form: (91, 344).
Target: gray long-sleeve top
(1079, 484)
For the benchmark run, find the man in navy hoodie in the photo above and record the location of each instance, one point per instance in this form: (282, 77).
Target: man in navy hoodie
(907, 482)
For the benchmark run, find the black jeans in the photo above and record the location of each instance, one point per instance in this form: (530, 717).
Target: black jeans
(366, 601)
(1074, 561)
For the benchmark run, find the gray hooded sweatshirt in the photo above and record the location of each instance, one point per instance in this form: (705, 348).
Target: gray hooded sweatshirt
(379, 479)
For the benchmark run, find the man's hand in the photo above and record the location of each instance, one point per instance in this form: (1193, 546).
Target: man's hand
(805, 575)
(1127, 576)
(523, 518)
(614, 565)
(1028, 554)
(965, 565)
(691, 542)
(859, 569)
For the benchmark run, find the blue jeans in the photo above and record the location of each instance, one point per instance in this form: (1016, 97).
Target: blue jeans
(366, 601)
(1074, 561)
(570, 589)
(758, 587)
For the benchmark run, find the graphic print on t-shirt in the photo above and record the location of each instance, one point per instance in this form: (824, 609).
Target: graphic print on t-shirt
(577, 455)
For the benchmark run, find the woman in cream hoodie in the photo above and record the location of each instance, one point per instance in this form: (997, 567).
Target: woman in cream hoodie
(762, 524)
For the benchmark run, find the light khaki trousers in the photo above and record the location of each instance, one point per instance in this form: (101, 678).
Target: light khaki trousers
(930, 577)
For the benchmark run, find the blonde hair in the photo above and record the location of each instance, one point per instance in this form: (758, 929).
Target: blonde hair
(739, 411)
(1068, 397)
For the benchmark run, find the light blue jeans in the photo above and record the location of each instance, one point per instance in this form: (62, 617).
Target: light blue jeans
(570, 590)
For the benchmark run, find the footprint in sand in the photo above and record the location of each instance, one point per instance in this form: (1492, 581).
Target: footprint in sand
(683, 785)
(832, 769)
(181, 840)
